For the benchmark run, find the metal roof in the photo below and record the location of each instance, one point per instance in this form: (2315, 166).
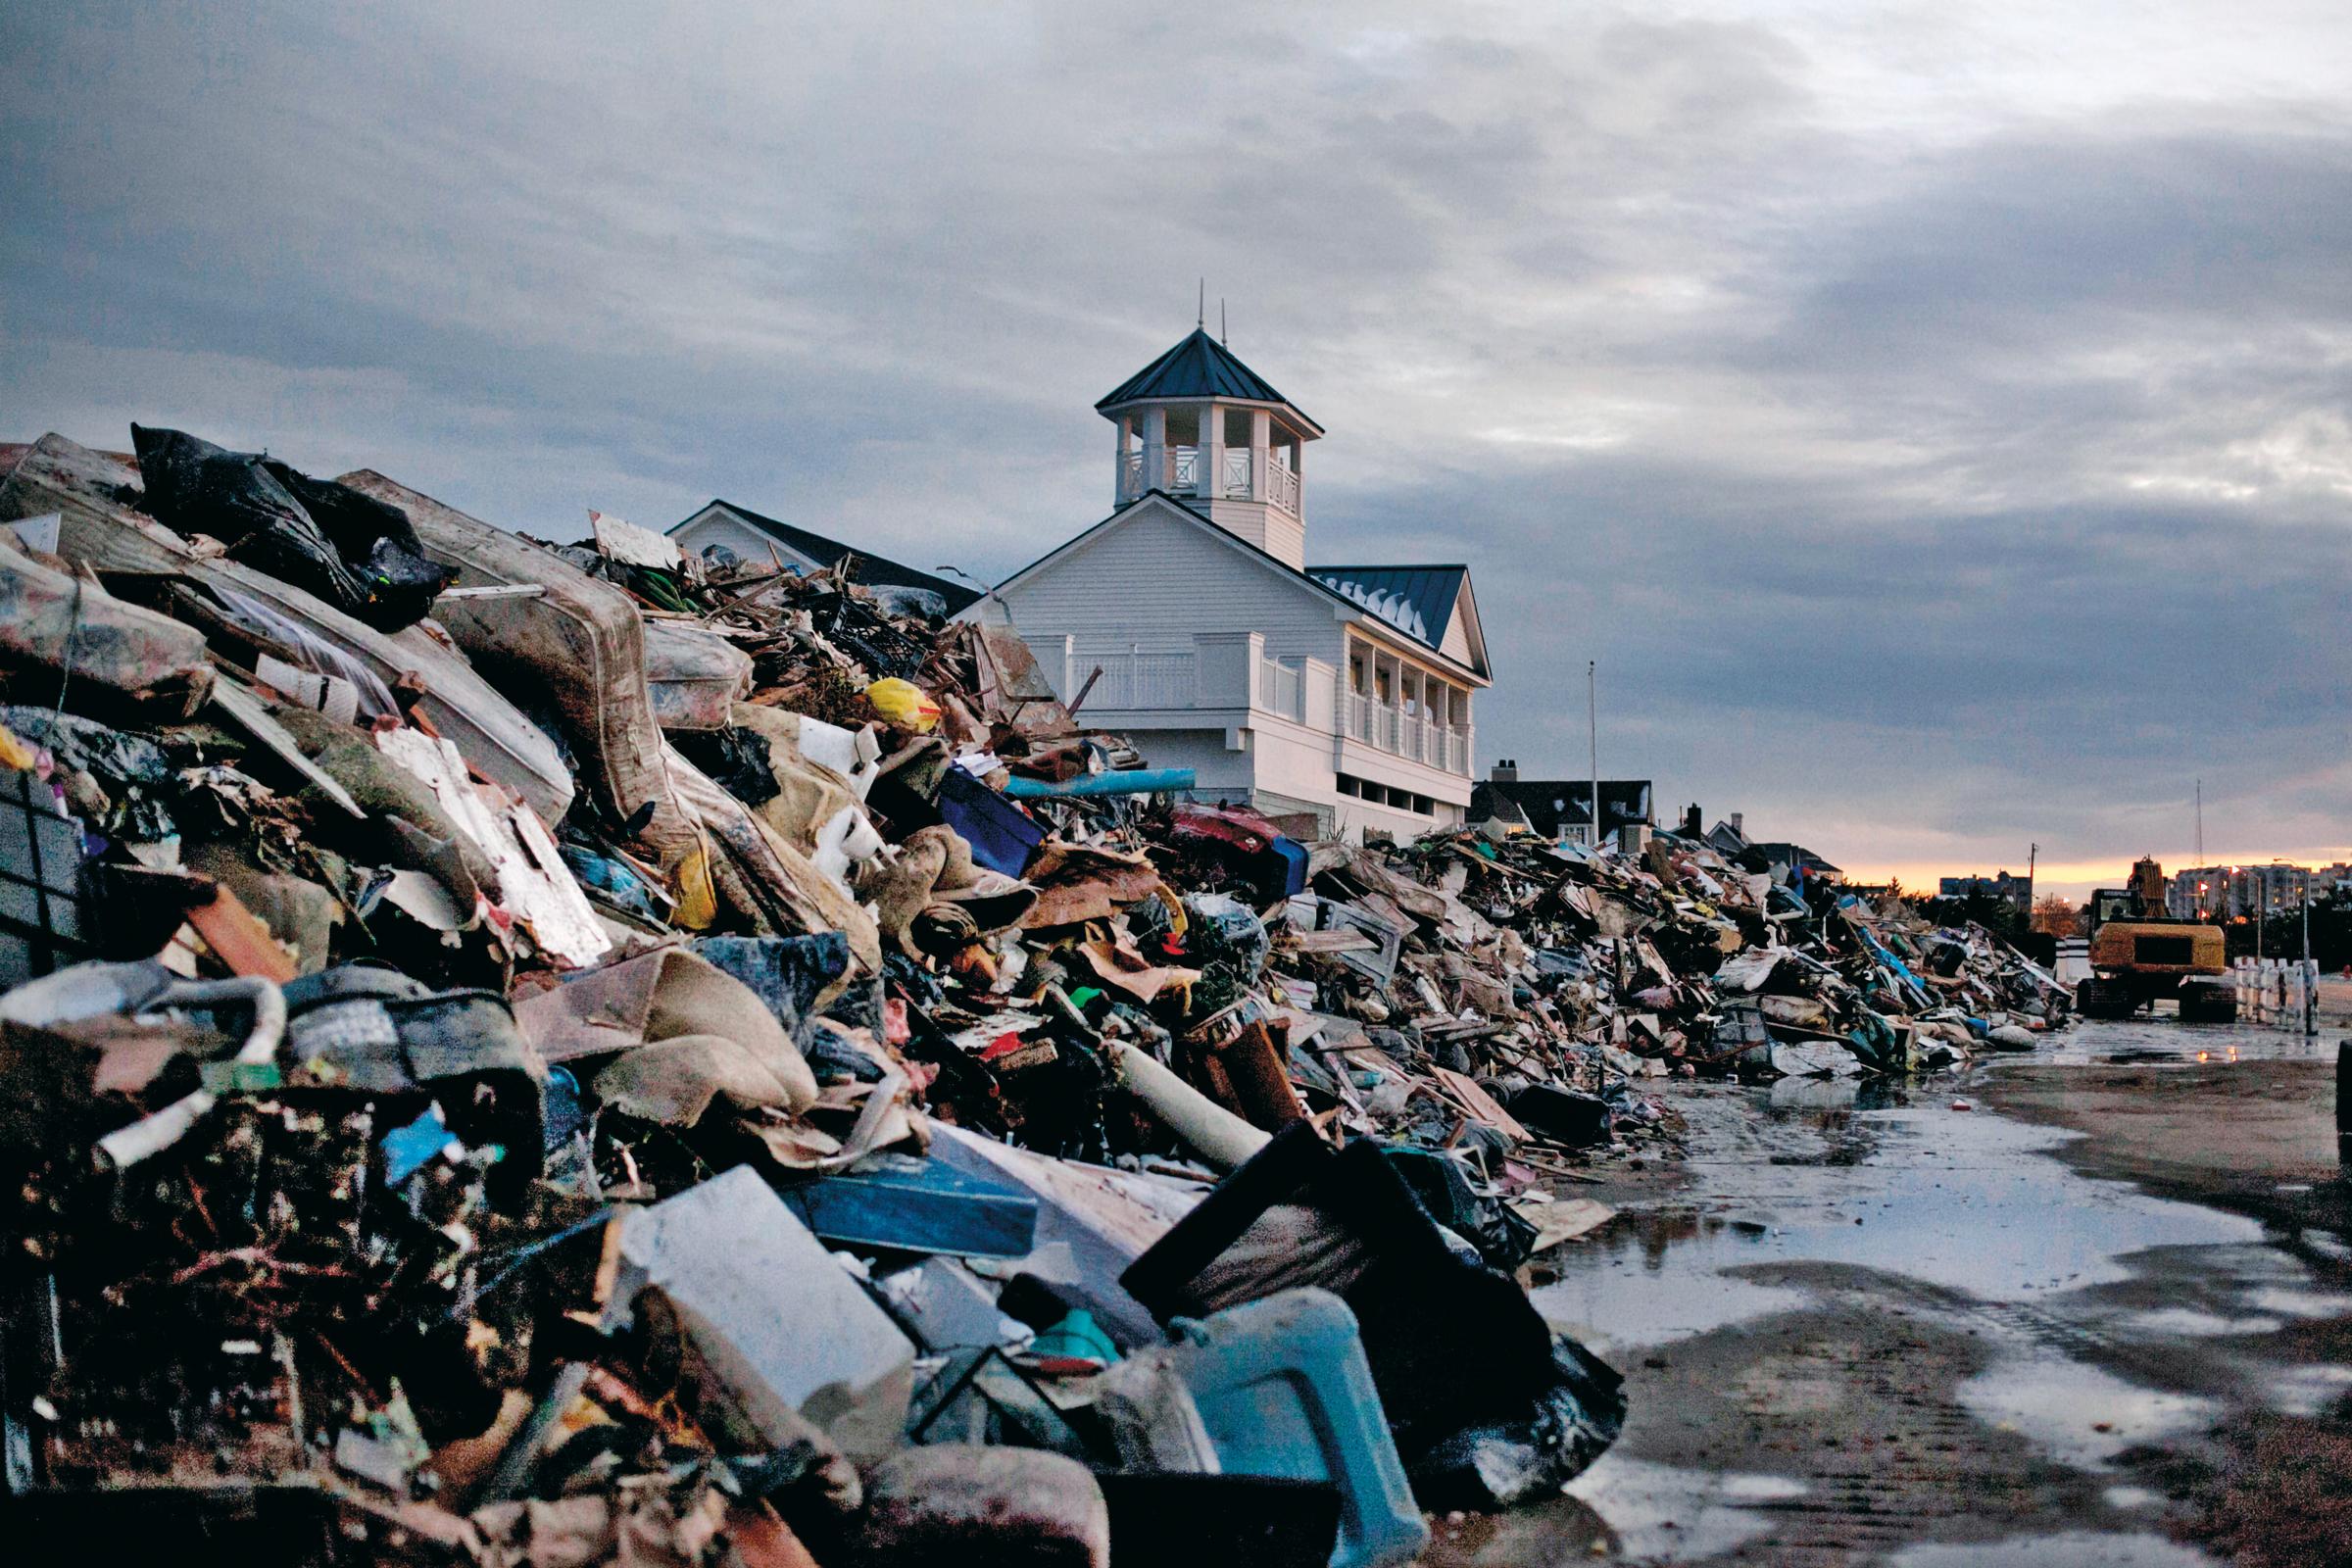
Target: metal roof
(1417, 601)
(1201, 366)
(827, 553)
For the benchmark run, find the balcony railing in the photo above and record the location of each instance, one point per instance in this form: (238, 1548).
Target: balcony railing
(1137, 679)
(1386, 727)
(1237, 474)
(1180, 474)
(1282, 689)
(1281, 488)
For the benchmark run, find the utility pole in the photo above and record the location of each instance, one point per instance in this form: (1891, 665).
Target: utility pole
(2311, 979)
(2200, 824)
(1593, 720)
(2032, 851)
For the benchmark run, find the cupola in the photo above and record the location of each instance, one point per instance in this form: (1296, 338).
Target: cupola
(1199, 426)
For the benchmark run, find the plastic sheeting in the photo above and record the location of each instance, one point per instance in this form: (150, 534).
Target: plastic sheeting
(82, 486)
(579, 644)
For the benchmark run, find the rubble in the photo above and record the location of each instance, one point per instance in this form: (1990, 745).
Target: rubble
(580, 1054)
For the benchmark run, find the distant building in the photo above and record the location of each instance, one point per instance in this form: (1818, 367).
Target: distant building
(2239, 891)
(754, 537)
(1558, 809)
(2014, 891)
(1795, 856)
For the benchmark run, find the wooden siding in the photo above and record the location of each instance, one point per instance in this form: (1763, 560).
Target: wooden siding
(1456, 644)
(1156, 578)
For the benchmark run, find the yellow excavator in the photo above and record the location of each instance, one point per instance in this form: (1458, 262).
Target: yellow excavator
(2139, 956)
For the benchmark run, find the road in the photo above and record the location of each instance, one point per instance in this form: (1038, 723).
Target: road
(2101, 1315)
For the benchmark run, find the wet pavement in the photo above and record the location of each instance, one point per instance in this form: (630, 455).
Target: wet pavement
(1868, 1326)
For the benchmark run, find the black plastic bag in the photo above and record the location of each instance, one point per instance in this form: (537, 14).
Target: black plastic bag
(357, 554)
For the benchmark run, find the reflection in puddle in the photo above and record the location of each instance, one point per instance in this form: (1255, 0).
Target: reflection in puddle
(1960, 1199)
(2156, 1040)
(2077, 1549)
(2186, 1323)
(2310, 1390)
(2076, 1413)
(2302, 1303)
(1663, 1514)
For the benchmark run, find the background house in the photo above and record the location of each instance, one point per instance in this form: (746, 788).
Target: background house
(753, 536)
(1559, 809)
(1189, 619)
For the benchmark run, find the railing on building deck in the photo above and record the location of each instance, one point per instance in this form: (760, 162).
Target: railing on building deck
(1181, 474)
(1387, 728)
(1282, 689)
(1281, 488)
(1237, 474)
(1136, 679)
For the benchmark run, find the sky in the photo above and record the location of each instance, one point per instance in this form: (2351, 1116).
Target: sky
(1932, 419)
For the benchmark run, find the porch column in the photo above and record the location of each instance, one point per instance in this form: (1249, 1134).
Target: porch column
(1156, 449)
(1211, 472)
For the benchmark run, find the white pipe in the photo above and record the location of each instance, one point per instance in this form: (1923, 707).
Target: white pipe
(1222, 1138)
(125, 1146)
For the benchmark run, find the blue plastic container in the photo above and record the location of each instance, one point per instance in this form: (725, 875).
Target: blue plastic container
(1284, 1390)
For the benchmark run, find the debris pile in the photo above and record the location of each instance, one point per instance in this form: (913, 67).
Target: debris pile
(579, 1054)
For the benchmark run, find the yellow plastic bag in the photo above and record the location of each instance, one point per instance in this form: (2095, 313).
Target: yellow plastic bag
(904, 703)
(698, 900)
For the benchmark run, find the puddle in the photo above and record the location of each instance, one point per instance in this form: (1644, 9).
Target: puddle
(2302, 1303)
(2188, 1323)
(2076, 1549)
(2155, 1042)
(1961, 1200)
(2310, 1390)
(2076, 1413)
(1663, 1514)
(2043, 1264)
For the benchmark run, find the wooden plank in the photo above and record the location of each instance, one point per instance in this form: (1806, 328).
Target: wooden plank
(249, 713)
(1478, 1102)
(237, 937)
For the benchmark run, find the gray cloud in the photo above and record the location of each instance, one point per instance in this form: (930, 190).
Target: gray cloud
(1928, 478)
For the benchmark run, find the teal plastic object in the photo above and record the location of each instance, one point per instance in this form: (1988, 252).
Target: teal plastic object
(1133, 781)
(1077, 1336)
(1284, 1390)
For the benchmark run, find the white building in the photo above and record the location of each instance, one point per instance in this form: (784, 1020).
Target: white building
(1344, 691)
(757, 537)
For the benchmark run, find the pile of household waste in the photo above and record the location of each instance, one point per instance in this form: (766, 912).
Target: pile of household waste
(577, 1054)
(567, 1053)
(1668, 955)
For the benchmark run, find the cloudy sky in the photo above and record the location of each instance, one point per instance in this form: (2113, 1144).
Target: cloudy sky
(1932, 418)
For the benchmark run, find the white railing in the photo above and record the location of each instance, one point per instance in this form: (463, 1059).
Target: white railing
(1237, 474)
(1386, 727)
(1281, 488)
(1181, 474)
(1282, 689)
(1136, 679)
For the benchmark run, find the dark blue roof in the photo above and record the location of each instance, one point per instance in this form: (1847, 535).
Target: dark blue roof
(1417, 601)
(1199, 366)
